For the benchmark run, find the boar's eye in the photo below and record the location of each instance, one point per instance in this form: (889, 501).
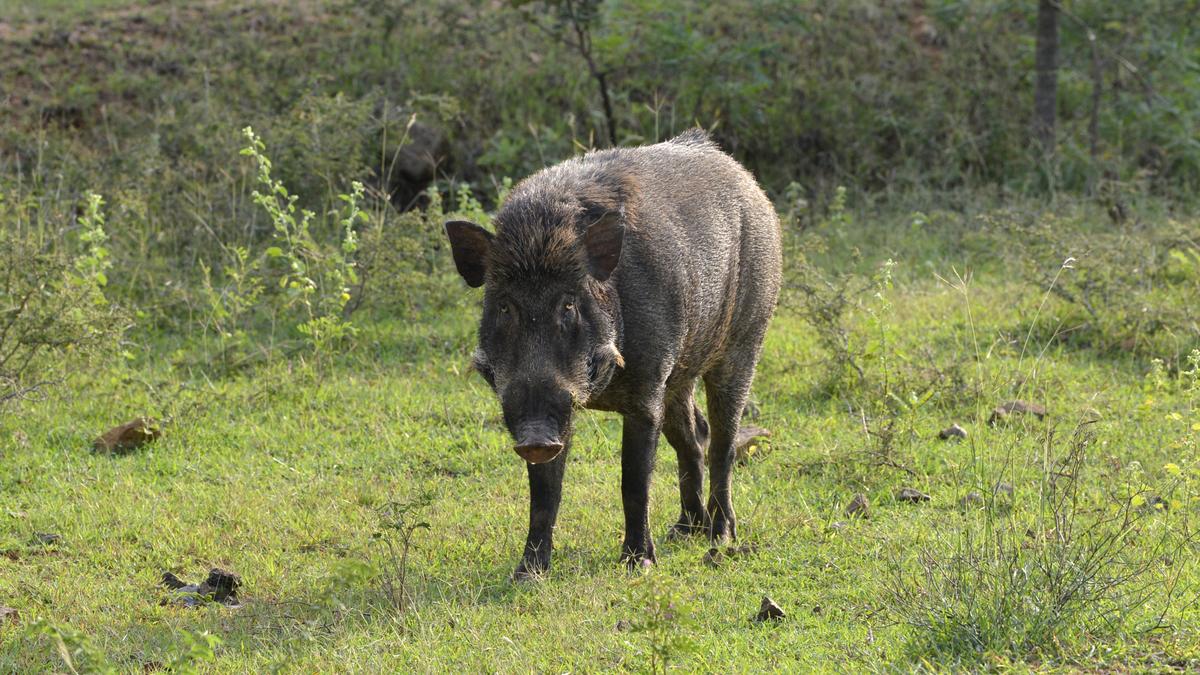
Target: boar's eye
(568, 312)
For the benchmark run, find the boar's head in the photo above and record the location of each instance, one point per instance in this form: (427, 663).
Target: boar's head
(548, 334)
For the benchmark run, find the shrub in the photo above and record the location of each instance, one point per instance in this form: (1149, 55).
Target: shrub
(405, 266)
(299, 283)
(1127, 288)
(53, 312)
(1020, 586)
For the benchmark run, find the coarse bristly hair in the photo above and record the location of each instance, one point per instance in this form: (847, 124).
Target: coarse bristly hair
(539, 230)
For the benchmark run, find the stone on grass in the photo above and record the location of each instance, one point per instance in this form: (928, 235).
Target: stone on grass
(769, 611)
(858, 507)
(9, 615)
(220, 586)
(1004, 411)
(747, 441)
(127, 437)
(952, 431)
(972, 498)
(911, 495)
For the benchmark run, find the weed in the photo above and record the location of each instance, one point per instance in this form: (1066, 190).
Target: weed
(665, 618)
(399, 522)
(1128, 289)
(1021, 587)
(298, 282)
(53, 311)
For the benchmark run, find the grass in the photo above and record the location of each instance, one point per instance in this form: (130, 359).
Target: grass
(26, 9)
(291, 471)
(279, 476)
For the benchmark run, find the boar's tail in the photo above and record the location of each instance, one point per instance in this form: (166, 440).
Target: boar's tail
(694, 137)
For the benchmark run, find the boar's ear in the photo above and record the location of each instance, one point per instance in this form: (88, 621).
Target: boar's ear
(603, 240)
(469, 244)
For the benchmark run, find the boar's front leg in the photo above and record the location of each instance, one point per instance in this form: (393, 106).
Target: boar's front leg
(545, 494)
(639, 442)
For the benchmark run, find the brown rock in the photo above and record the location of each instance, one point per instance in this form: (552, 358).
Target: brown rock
(128, 436)
(769, 611)
(912, 495)
(1003, 412)
(8, 614)
(952, 431)
(859, 506)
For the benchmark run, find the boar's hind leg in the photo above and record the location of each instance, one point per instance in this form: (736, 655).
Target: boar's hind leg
(728, 387)
(545, 494)
(639, 442)
(687, 431)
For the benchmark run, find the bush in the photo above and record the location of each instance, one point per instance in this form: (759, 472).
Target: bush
(1021, 586)
(298, 284)
(54, 315)
(406, 268)
(1123, 288)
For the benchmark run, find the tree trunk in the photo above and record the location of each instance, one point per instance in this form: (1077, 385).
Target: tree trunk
(1094, 113)
(1045, 93)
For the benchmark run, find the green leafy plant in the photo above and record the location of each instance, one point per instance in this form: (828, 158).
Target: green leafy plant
(315, 278)
(664, 618)
(53, 311)
(298, 282)
(1018, 586)
(399, 522)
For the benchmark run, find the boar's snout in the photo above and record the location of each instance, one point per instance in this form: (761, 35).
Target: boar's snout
(537, 412)
(537, 443)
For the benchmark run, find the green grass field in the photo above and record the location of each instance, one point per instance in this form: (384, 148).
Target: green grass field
(280, 477)
(950, 270)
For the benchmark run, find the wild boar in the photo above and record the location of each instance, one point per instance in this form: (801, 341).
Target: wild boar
(613, 282)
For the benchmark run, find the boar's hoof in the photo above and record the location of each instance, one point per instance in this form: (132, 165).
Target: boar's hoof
(722, 531)
(686, 528)
(638, 561)
(635, 564)
(539, 453)
(530, 570)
